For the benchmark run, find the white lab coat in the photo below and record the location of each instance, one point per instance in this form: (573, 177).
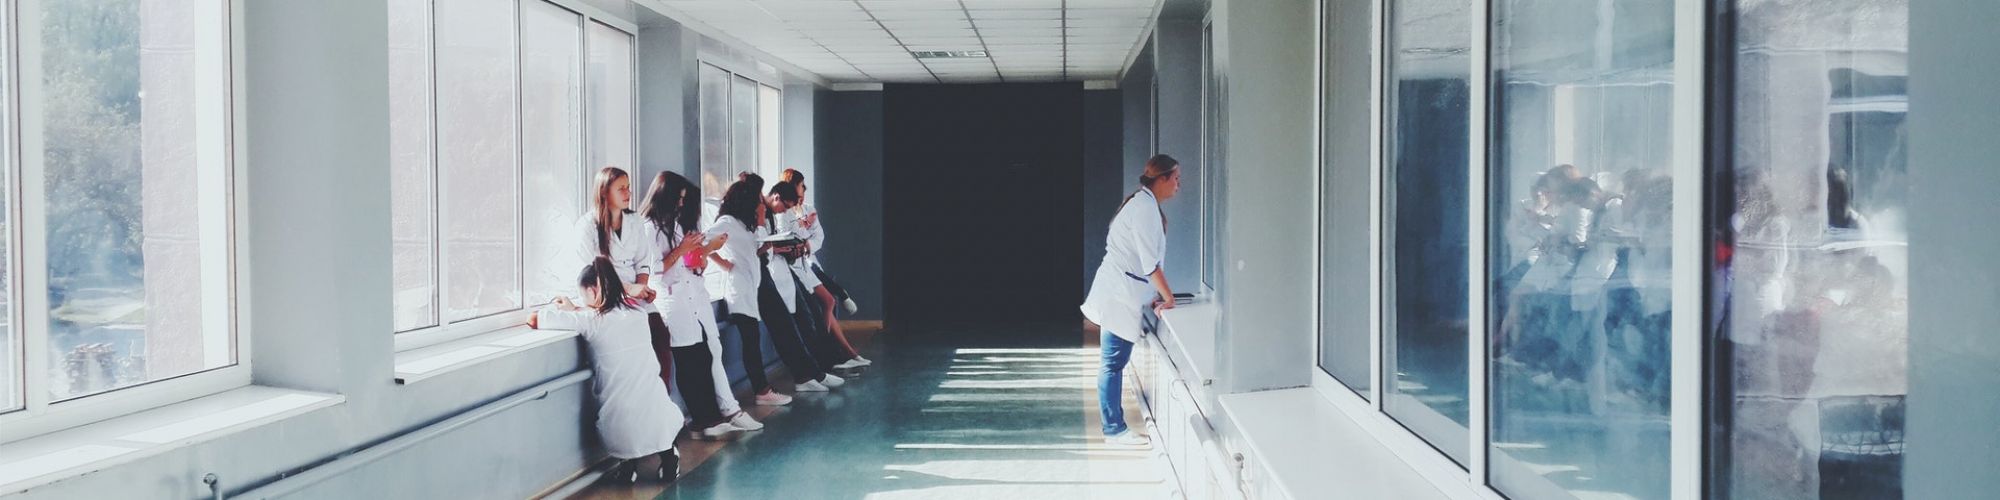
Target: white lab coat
(737, 287)
(794, 220)
(1135, 246)
(628, 248)
(635, 416)
(679, 294)
(781, 271)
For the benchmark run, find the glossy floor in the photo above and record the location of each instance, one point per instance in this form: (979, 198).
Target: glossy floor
(961, 412)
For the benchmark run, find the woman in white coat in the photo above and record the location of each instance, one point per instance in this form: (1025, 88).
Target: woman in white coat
(678, 254)
(602, 233)
(736, 279)
(1131, 279)
(805, 220)
(635, 415)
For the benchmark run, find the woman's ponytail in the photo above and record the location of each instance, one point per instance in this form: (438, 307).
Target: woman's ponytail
(603, 276)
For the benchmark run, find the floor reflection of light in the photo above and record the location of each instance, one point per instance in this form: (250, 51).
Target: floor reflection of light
(1002, 398)
(984, 350)
(1042, 383)
(1016, 447)
(1036, 471)
(982, 373)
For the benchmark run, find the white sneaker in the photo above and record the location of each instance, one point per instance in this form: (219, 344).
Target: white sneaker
(1128, 438)
(850, 364)
(848, 305)
(773, 399)
(743, 421)
(719, 431)
(832, 380)
(812, 386)
(862, 360)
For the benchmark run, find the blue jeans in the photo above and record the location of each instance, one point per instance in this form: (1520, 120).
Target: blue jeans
(1111, 383)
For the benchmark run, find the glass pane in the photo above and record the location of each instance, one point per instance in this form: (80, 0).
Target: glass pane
(477, 155)
(412, 200)
(129, 152)
(611, 102)
(1345, 256)
(1424, 267)
(770, 107)
(12, 362)
(1580, 259)
(714, 100)
(1813, 336)
(551, 147)
(743, 127)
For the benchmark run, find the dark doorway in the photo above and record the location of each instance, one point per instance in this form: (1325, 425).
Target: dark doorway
(984, 197)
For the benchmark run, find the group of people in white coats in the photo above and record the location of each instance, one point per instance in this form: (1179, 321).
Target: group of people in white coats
(662, 285)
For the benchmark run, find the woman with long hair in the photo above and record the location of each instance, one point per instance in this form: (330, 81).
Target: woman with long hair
(735, 278)
(603, 234)
(1132, 278)
(636, 416)
(681, 304)
(805, 220)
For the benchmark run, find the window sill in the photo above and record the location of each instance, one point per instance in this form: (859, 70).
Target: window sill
(1307, 447)
(419, 364)
(1188, 331)
(82, 450)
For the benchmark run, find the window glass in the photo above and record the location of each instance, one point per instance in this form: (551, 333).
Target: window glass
(770, 107)
(743, 128)
(1345, 254)
(1424, 265)
(478, 156)
(12, 395)
(551, 147)
(1579, 257)
(1813, 318)
(412, 205)
(135, 154)
(714, 102)
(611, 101)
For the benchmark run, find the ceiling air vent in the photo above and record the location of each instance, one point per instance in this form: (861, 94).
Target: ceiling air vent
(947, 54)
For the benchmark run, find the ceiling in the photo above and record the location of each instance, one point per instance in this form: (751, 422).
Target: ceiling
(872, 40)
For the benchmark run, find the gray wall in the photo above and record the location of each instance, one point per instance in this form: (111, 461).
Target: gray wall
(1103, 160)
(850, 194)
(669, 134)
(1136, 99)
(1177, 73)
(1953, 445)
(1266, 287)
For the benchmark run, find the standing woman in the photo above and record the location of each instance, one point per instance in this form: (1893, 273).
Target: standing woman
(793, 286)
(603, 234)
(681, 303)
(1130, 280)
(734, 277)
(805, 221)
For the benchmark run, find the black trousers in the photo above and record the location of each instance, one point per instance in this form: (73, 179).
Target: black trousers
(751, 350)
(839, 292)
(697, 383)
(785, 334)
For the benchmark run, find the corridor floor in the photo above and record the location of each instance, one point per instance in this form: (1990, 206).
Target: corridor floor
(968, 412)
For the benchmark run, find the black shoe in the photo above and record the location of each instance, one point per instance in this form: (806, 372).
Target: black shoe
(670, 465)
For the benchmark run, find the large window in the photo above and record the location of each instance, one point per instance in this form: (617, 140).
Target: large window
(1345, 253)
(119, 272)
(489, 177)
(740, 129)
(1426, 108)
(1579, 199)
(1812, 338)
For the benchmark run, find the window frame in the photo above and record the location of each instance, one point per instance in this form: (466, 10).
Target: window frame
(441, 330)
(40, 414)
(1696, 37)
(760, 81)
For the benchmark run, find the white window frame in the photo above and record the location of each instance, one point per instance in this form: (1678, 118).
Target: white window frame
(222, 217)
(1687, 445)
(443, 330)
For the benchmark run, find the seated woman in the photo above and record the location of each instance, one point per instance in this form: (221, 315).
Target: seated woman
(635, 416)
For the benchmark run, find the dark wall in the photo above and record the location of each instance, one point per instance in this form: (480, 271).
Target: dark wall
(984, 189)
(1103, 153)
(849, 187)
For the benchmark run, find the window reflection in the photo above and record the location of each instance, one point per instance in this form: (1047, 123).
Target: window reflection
(1580, 260)
(1812, 323)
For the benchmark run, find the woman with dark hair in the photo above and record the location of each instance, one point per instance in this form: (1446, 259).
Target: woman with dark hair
(636, 416)
(792, 285)
(679, 255)
(735, 278)
(804, 220)
(1132, 278)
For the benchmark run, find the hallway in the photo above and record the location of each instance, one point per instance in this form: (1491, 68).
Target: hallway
(970, 412)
